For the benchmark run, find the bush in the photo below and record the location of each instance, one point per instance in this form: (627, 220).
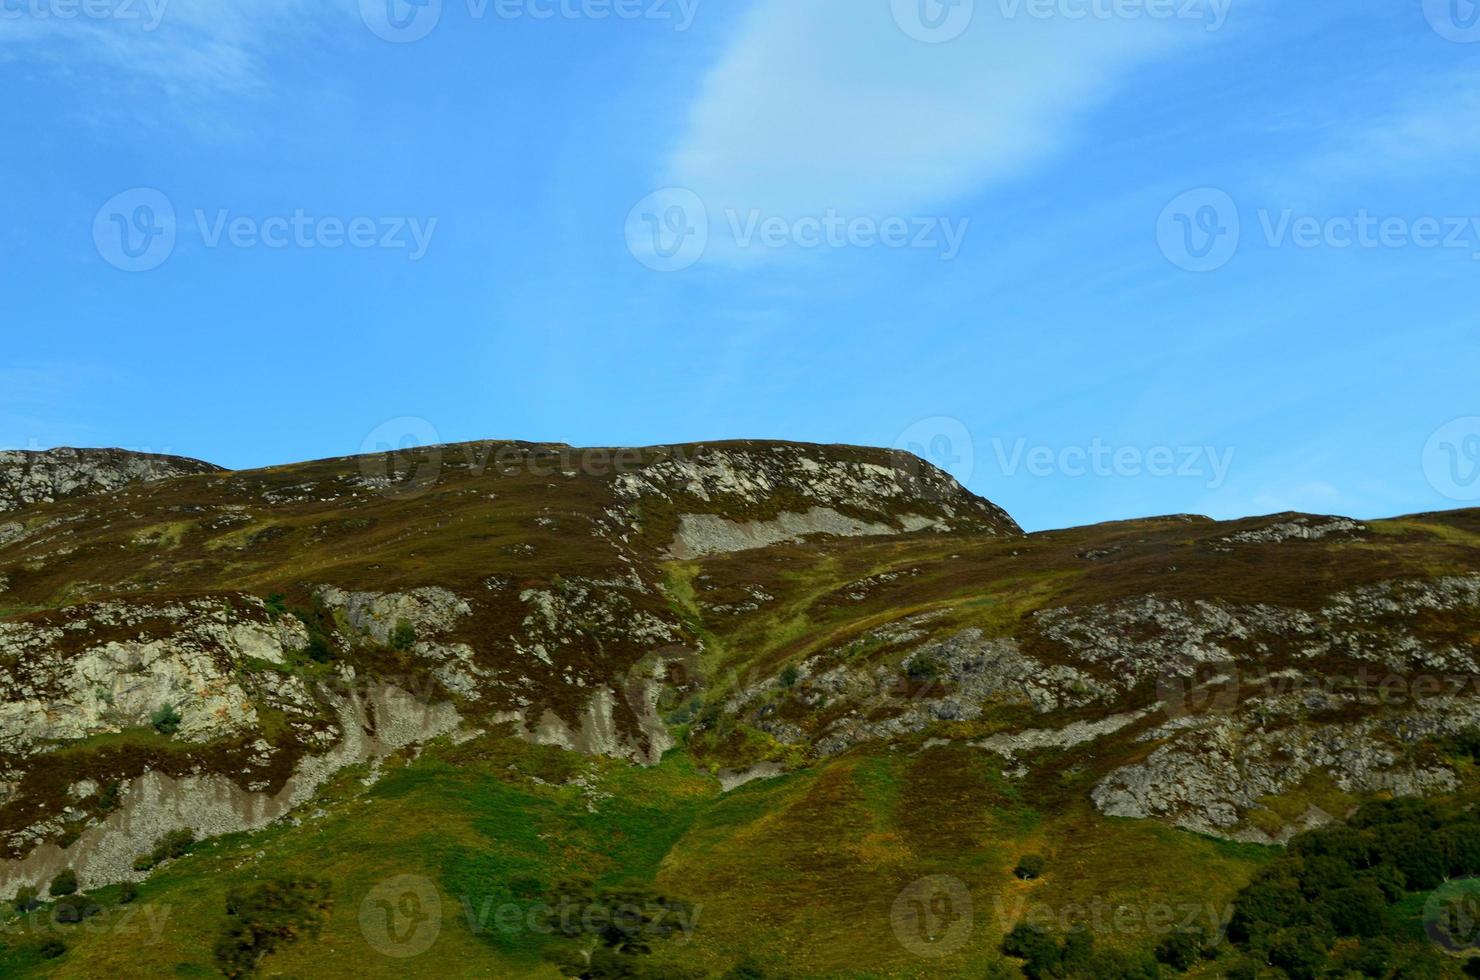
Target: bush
(175, 844)
(403, 636)
(277, 606)
(1030, 866)
(1036, 948)
(166, 720)
(1180, 951)
(144, 862)
(74, 908)
(25, 899)
(789, 675)
(267, 916)
(52, 948)
(318, 649)
(127, 892)
(65, 883)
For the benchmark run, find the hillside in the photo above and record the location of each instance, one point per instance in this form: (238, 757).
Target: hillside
(805, 691)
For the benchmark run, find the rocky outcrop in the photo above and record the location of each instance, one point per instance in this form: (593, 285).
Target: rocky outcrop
(793, 491)
(373, 719)
(41, 477)
(104, 667)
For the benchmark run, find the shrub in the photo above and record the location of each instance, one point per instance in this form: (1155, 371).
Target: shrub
(144, 862)
(175, 844)
(65, 883)
(1035, 947)
(267, 916)
(166, 720)
(925, 668)
(1030, 866)
(127, 892)
(277, 605)
(25, 899)
(52, 948)
(789, 675)
(403, 636)
(109, 795)
(318, 649)
(1180, 951)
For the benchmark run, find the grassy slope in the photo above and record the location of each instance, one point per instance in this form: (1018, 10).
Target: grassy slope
(799, 872)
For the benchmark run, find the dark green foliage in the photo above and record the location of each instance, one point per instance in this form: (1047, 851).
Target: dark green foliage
(175, 844)
(318, 649)
(127, 892)
(789, 675)
(166, 720)
(1037, 949)
(623, 922)
(925, 668)
(52, 948)
(268, 915)
(1181, 951)
(74, 908)
(1030, 866)
(144, 862)
(403, 636)
(25, 899)
(1339, 883)
(277, 605)
(65, 883)
(108, 796)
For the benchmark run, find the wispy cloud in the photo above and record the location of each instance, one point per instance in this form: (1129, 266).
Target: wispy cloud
(832, 104)
(187, 48)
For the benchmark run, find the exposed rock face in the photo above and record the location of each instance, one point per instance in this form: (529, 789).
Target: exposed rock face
(374, 719)
(800, 490)
(109, 666)
(1209, 777)
(710, 534)
(41, 477)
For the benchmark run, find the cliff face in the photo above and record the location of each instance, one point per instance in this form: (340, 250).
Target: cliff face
(42, 477)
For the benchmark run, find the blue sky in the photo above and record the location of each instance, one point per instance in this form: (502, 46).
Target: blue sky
(1104, 258)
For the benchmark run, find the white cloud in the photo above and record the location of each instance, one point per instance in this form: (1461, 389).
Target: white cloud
(829, 104)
